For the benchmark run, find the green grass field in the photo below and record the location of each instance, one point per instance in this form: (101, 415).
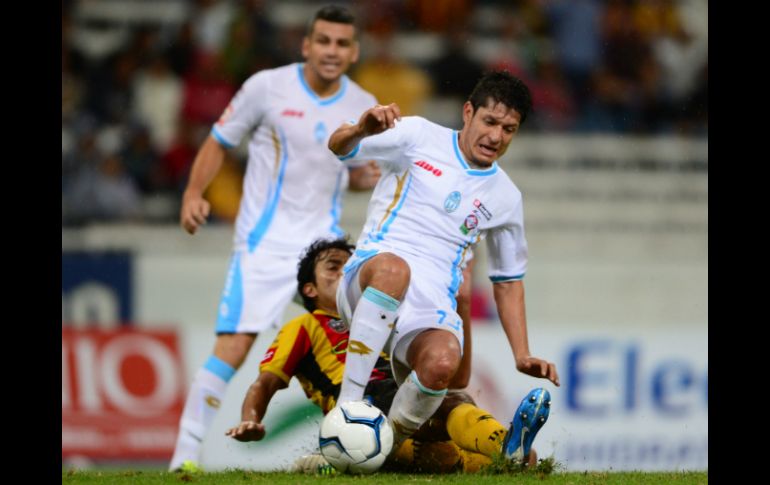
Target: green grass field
(384, 478)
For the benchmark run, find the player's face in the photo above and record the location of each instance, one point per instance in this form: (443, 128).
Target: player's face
(487, 132)
(328, 271)
(330, 49)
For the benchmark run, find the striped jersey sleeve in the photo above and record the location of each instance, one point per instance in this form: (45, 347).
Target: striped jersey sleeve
(288, 349)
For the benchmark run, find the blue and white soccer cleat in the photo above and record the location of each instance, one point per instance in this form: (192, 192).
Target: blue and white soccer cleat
(527, 421)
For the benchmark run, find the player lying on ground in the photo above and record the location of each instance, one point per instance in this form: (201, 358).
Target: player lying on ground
(313, 349)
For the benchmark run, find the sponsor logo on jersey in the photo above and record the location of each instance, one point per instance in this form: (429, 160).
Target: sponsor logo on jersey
(484, 211)
(471, 222)
(293, 112)
(268, 355)
(430, 168)
(452, 201)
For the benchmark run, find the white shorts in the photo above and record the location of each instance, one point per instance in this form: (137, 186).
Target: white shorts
(258, 288)
(425, 306)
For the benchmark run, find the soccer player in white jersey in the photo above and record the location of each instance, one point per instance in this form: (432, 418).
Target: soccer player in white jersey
(440, 192)
(291, 196)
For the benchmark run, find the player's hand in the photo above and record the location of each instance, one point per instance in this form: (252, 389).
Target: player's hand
(195, 210)
(247, 431)
(535, 367)
(365, 177)
(380, 118)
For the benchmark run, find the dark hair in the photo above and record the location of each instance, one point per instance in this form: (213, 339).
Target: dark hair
(306, 266)
(502, 87)
(331, 13)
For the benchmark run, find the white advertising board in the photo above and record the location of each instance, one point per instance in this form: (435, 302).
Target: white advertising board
(631, 398)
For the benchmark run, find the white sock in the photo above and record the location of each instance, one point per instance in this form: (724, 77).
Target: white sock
(373, 321)
(412, 406)
(203, 400)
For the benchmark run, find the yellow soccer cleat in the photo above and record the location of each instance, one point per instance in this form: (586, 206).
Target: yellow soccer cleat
(189, 467)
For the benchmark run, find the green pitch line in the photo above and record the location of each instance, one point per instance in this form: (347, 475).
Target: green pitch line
(283, 478)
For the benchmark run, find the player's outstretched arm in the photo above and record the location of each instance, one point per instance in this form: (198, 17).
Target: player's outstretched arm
(372, 122)
(208, 161)
(254, 407)
(509, 297)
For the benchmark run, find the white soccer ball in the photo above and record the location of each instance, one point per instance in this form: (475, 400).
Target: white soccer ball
(355, 437)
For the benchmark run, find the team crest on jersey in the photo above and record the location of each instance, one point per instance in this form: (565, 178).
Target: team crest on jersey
(452, 202)
(471, 222)
(320, 132)
(337, 325)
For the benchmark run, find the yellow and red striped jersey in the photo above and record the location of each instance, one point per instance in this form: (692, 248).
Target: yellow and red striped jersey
(312, 348)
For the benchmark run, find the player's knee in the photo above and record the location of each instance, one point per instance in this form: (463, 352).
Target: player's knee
(444, 368)
(391, 268)
(437, 367)
(435, 355)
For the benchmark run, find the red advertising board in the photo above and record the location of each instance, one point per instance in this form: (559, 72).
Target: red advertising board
(122, 393)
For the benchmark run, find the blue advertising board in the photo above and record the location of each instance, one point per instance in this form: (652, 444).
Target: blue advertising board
(97, 287)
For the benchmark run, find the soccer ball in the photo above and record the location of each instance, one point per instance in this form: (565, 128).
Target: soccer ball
(356, 437)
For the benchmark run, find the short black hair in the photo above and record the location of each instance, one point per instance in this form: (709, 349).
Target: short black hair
(331, 13)
(306, 266)
(502, 87)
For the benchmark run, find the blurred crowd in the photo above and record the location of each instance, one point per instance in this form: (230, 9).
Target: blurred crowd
(139, 97)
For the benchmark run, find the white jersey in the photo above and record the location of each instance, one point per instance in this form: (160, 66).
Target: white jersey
(293, 185)
(430, 206)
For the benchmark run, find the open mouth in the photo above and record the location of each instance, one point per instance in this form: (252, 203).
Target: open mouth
(487, 150)
(330, 65)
